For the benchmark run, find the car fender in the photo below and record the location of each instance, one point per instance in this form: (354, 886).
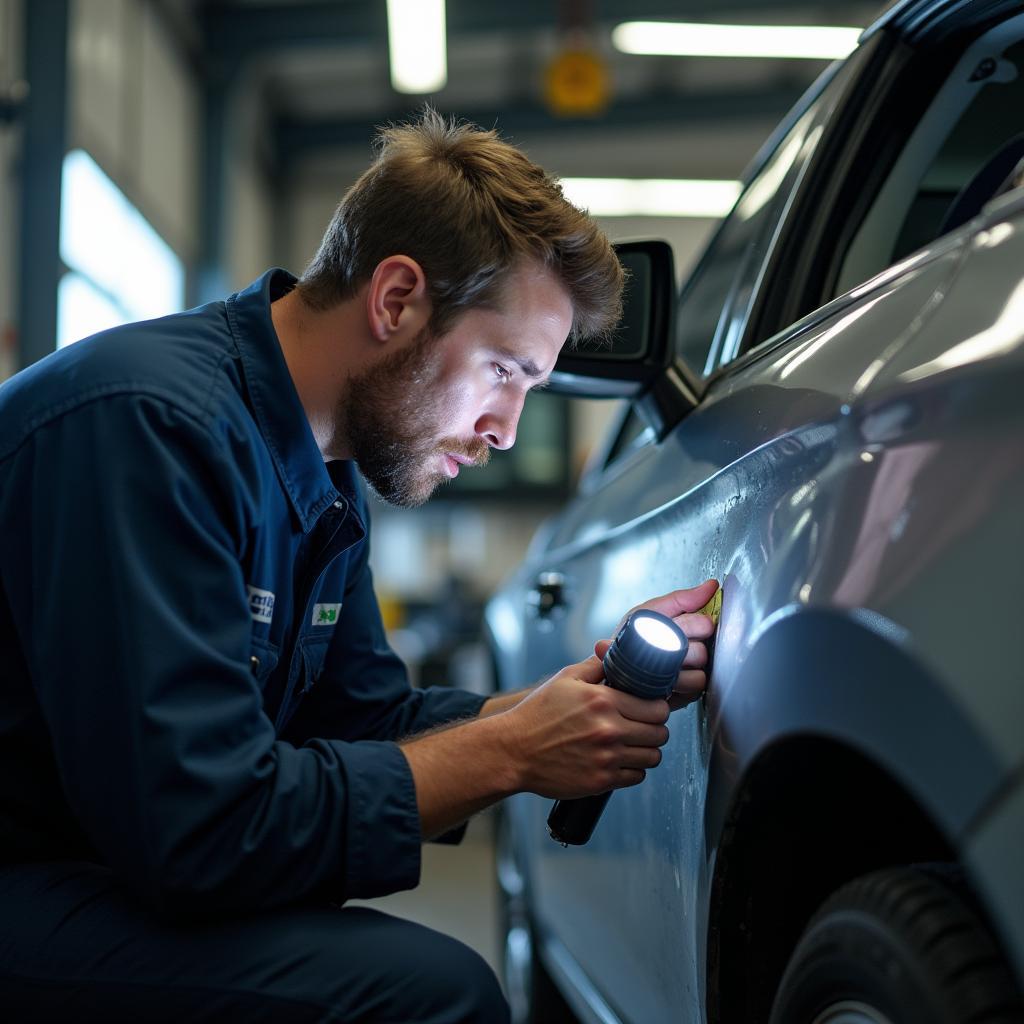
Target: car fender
(850, 676)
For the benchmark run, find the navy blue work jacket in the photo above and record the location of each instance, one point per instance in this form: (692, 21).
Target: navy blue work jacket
(195, 686)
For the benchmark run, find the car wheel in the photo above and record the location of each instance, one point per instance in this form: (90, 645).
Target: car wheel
(897, 946)
(532, 995)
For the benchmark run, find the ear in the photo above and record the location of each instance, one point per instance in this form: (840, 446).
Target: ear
(397, 303)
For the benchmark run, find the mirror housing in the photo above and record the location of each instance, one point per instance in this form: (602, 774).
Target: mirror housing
(640, 350)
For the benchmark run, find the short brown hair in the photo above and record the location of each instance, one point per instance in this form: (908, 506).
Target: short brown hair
(468, 207)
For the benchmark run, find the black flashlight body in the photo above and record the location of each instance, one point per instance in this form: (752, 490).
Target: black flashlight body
(634, 665)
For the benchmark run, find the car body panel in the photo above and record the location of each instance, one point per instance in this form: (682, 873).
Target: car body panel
(855, 482)
(785, 484)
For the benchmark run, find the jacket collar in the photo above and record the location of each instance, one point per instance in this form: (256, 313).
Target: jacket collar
(276, 406)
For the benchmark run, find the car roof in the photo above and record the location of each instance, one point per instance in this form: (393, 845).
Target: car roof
(912, 18)
(892, 13)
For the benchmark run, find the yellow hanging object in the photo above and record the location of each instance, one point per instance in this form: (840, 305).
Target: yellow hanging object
(576, 84)
(713, 607)
(392, 611)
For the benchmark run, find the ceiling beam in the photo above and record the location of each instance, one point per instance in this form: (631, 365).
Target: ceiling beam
(296, 139)
(234, 32)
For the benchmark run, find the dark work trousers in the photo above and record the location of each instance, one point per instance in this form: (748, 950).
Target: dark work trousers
(75, 946)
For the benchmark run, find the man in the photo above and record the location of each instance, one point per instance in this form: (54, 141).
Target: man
(206, 745)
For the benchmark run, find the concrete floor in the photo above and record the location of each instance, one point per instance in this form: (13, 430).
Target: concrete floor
(457, 893)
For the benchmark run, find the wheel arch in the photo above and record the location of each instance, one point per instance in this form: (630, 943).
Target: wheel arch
(835, 752)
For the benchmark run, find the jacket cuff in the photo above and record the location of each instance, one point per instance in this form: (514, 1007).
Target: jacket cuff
(384, 821)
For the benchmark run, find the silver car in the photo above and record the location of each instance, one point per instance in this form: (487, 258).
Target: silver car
(828, 420)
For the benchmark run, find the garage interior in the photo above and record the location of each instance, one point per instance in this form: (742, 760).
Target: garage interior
(219, 136)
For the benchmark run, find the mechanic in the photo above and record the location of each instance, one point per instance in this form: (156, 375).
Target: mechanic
(206, 745)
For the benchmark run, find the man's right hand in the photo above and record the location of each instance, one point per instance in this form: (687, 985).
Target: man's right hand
(569, 737)
(573, 737)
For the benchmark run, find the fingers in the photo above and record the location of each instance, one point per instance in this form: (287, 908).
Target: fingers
(681, 606)
(590, 671)
(696, 627)
(636, 709)
(640, 758)
(696, 655)
(689, 687)
(691, 681)
(679, 602)
(640, 734)
(630, 777)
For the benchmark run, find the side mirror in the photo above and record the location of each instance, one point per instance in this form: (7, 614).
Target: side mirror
(640, 350)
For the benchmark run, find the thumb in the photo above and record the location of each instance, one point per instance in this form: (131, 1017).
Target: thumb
(590, 671)
(601, 648)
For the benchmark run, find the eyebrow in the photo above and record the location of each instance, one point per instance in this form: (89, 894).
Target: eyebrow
(528, 366)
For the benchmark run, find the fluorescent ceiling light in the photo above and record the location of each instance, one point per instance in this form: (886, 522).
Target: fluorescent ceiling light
(416, 45)
(652, 197)
(689, 39)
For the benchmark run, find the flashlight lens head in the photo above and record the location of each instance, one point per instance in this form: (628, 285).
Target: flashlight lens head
(656, 632)
(646, 656)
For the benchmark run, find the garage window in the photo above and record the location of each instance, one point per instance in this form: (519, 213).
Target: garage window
(118, 268)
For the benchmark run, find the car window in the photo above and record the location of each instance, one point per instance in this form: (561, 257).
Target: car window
(702, 315)
(962, 151)
(713, 302)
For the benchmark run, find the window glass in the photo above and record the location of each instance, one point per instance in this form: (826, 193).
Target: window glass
(962, 151)
(723, 281)
(120, 269)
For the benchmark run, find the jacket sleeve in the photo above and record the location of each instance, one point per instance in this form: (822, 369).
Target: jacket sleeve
(137, 636)
(364, 689)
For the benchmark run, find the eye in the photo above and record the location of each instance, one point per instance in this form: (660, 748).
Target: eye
(504, 374)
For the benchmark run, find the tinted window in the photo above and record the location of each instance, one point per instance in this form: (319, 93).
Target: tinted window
(713, 304)
(962, 151)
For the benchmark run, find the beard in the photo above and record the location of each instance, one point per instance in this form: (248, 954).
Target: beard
(392, 418)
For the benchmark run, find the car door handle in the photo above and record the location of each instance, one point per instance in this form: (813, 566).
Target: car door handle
(547, 595)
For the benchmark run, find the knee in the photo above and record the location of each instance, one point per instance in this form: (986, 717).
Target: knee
(383, 968)
(464, 988)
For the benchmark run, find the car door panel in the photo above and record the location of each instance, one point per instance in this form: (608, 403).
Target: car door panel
(951, 397)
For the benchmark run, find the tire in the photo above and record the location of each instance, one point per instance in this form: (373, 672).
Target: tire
(897, 946)
(532, 995)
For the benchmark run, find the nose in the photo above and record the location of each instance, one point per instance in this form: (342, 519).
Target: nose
(498, 426)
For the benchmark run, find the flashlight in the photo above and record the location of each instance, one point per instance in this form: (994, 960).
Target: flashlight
(644, 660)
